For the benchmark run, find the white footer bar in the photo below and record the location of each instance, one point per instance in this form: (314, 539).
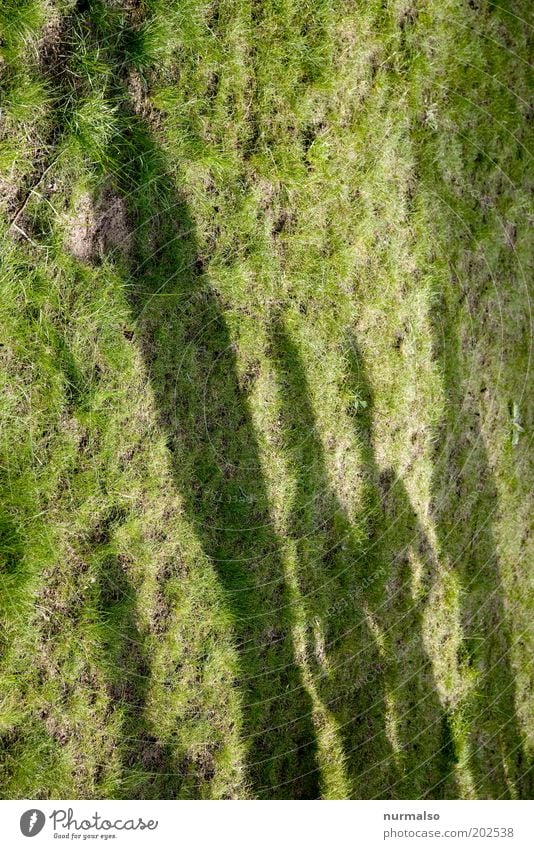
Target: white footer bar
(267, 825)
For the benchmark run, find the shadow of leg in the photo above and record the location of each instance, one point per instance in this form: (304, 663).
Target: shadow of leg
(419, 725)
(422, 724)
(344, 660)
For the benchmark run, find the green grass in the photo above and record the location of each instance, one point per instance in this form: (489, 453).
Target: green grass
(265, 481)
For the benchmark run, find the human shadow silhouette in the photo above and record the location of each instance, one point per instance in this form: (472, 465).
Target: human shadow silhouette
(342, 654)
(371, 668)
(464, 505)
(423, 724)
(201, 405)
(202, 408)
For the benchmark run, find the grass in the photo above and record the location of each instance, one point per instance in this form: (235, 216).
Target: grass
(265, 478)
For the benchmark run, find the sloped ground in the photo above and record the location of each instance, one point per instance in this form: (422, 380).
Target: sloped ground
(265, 476)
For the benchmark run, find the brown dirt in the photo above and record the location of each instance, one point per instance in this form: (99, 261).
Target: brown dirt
(49, 46)
(139, 100)
(81, 232)
(99, 228)
(8, 193)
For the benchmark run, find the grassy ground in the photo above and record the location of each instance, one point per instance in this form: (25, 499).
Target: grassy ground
(265, 478)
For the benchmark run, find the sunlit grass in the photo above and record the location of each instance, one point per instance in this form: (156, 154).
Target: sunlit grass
(266, 269)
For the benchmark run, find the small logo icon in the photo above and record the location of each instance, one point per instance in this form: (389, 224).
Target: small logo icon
(32, 822)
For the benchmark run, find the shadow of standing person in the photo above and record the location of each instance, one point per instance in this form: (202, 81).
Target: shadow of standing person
(465, 505)
(420, 723)
(203, 410)
(371, 668)
(333, 569)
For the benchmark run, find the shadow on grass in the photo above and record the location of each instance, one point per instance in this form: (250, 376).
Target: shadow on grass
(365, 650)
(402, 550)
(465, 506)
(125, 661)
(203, 410)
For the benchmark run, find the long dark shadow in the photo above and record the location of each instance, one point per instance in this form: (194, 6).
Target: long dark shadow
(421, 722)
(370, 666)
(332, 567)
(465, 506)
(204, 412)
